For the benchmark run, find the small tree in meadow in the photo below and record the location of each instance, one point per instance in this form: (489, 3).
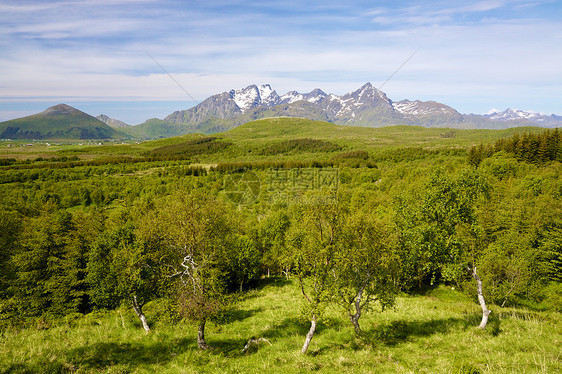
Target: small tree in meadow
(187, 233)
(367, 266)
(313, 242)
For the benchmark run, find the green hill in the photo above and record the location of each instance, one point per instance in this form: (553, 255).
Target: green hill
(285, 128)
(58, 122)
(155, 128)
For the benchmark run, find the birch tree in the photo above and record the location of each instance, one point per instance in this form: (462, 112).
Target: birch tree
(313, 240)
(120, 271)
(443, 229)
(186, 234)
(367, 268)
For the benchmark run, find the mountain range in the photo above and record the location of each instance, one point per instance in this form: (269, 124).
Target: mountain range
(366, 106)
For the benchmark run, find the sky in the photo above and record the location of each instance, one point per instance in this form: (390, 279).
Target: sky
(140, 59)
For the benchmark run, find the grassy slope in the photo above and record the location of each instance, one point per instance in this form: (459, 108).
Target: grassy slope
(154, 128)
(433, 333)
(394, 136)
(251, 138)
(73, 126)
(430, 333)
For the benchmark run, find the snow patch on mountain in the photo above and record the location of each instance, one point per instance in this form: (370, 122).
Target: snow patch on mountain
(246, 97)
(513, 115)
(291, 97)
(407, 107)
(423, 108)
(268, 96)
(366, 106)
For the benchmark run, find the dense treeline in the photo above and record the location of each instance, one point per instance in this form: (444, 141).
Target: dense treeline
(533, 148)
(265, 165)
(97, 237)
(300, 145)
(189, 148)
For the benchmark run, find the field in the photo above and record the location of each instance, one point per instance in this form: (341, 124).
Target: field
(250, 138)
(433, 332)
(76, 217)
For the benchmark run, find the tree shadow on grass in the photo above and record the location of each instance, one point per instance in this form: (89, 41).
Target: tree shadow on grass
(401, 331)
(100, 356)
(299, 326)
(288, 326)
(228, 347)
(273, 281)
(254, 290)
(233, 315)
(41, 367)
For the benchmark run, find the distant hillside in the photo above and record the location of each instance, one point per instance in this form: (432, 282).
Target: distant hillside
(155, 128)
(57, 122)
(266, 131)
(112, 122)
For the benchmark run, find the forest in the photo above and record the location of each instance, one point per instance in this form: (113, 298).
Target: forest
(152, 256)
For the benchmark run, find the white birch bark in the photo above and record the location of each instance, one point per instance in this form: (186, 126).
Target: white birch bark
(485, 311)
(138, 310)
(310, 335)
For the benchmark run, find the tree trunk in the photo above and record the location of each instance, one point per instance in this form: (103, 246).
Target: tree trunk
(201, 343)
(138, 310)
(309, 335)
(355, 320)
(355, 317)
(485, 311)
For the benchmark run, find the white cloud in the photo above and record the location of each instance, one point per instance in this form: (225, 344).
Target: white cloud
(92, 52)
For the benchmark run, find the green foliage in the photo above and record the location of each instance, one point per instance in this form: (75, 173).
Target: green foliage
(314, 240)
(299, 146)
(532, 148)
(119, 269)
(367, 267)
(243, 262)
(269, 237)
(439, 227)
(186, 235)
(50, 266)
(226, 167)
(506, 268)
(119, 222)
(189, 148)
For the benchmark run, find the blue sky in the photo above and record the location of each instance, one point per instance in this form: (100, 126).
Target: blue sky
(95, 55)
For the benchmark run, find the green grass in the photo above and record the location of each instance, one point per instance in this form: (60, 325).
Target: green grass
(430, 333)
(74, 125)
(255, 141)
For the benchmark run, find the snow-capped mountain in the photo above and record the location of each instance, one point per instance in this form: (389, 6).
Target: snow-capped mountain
(312, 97)
(512, 115)
(526, 116)
(367, 106)
(253, 96)
(430, 112)
(518, 114)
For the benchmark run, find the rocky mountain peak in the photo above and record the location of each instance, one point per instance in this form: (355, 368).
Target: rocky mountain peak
(513, 114)
(366, 106)
(253, 96)
(369, 94)
(315, 95)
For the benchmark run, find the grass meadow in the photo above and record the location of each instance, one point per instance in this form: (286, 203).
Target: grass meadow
(432, 332)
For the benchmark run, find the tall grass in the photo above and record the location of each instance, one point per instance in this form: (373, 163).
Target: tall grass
(431, 333)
